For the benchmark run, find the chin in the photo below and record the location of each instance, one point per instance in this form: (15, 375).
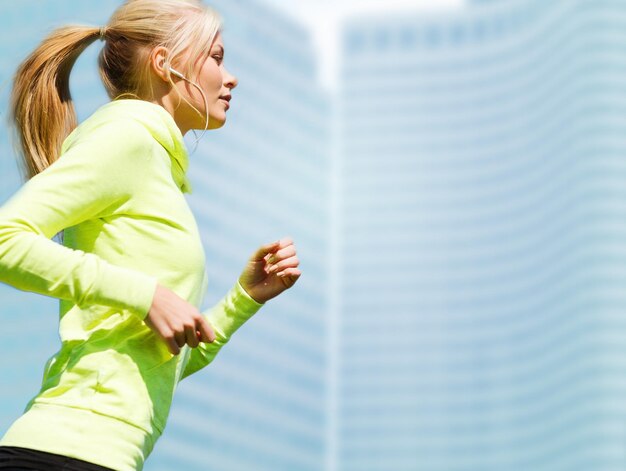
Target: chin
(217, 123)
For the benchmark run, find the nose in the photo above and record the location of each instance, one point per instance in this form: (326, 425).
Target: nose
(230, 81)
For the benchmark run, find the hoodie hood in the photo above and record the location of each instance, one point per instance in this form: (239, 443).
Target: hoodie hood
(161, 126)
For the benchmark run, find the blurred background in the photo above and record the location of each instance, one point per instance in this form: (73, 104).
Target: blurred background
(454, 176)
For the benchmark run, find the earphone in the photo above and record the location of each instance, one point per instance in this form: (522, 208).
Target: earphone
(176, 73)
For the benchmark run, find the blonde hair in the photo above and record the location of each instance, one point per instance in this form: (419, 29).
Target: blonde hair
(41, 105)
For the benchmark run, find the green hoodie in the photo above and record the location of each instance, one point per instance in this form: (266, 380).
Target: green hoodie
(117, 190)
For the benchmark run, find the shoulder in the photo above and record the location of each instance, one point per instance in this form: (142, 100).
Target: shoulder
(108, 155)
(109, 133)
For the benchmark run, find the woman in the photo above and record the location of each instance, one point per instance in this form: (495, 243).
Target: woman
(130, 274)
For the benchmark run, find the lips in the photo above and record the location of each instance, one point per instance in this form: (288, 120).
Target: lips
(226, 99)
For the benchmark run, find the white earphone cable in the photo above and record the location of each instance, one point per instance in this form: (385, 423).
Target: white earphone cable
(206, 105)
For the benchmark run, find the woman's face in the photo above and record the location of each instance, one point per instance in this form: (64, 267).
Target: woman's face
(216, 82)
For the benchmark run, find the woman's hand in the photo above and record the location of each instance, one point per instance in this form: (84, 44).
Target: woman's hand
(271, 270)
(176, 321)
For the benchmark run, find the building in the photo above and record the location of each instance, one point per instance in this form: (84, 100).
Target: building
(481, 302)
(262, 403)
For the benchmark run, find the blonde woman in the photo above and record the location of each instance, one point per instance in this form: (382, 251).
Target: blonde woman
(130, 274)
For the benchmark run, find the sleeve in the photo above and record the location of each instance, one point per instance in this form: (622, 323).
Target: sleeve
(225, 317)
(93, 177)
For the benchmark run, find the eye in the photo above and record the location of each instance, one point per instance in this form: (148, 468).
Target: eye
(218, 58)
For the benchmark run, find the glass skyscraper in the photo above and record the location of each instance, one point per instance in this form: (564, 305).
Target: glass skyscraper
(262, 403)
(481, 200)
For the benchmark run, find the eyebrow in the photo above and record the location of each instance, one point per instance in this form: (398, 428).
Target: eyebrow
(221, 47)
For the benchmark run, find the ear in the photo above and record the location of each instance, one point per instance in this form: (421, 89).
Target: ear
(159, 64)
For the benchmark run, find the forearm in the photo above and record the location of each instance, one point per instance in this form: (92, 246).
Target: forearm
(225, 318)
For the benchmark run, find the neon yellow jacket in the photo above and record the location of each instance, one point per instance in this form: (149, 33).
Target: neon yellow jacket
(118, 191)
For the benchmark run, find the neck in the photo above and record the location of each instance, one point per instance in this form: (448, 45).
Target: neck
(173, 106)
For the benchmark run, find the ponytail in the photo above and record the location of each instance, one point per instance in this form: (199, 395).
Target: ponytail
(41, 104)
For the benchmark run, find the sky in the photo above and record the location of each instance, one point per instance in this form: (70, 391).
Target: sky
(324, 17)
